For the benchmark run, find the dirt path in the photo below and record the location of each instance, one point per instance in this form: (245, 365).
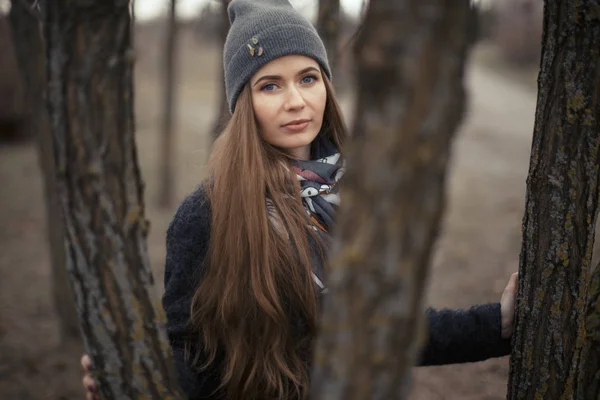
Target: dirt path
(477, 251)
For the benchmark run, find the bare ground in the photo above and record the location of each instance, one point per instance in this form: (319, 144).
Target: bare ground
(476, 253)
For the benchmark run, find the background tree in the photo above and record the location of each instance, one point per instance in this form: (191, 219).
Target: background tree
(328, 26)
(410, 64)
(167, 176)
(90, 103)
(12, 101)
(555, 342)
(25, 22)
(516, 30)
(223, 111)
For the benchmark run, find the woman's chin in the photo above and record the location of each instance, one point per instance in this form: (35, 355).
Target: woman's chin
(293, 141)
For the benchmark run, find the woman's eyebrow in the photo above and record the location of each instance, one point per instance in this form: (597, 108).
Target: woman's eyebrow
(278, 77)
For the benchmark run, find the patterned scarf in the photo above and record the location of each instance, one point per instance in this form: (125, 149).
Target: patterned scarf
(318, 179)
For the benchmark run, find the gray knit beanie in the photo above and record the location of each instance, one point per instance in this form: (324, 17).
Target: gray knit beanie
(261, 31)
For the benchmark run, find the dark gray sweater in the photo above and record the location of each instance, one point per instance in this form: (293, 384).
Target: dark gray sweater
(455, 336)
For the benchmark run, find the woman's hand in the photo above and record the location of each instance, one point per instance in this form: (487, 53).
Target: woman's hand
(507, 305)
(88, 382)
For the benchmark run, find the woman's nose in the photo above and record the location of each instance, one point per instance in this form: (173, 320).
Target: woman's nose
(294, 99)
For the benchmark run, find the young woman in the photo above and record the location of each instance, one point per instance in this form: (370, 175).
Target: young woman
(245, 252)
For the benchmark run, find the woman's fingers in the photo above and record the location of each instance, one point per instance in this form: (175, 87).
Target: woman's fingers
(86, 363)
(512, 282)
(89, 384)
(507, 305)
(91, 389)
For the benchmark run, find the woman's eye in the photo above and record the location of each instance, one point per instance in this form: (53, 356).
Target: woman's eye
(268, 87)
(309, 79)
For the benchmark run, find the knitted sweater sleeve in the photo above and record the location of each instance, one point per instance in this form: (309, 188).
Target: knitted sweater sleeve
(460, 336)
(187, 243)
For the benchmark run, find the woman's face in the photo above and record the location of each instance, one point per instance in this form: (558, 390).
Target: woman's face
(288, 96)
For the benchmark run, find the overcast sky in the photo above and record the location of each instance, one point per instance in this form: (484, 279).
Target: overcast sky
(145, 9)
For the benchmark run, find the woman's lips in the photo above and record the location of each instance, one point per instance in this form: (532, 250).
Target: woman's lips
(297, 126)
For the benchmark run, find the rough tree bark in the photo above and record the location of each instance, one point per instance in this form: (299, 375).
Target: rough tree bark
(223, 113)
(411, 57)
(167, 178)
(328, 26)
(90, 103)
(25, 21)
(555, 341)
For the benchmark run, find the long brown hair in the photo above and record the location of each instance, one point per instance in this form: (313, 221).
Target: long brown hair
(257, 289)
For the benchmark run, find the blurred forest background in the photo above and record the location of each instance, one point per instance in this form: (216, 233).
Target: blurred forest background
(475, 255)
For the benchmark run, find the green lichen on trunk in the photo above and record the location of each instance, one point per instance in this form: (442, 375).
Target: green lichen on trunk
(410, 59)
(550, 342)
(90, 103)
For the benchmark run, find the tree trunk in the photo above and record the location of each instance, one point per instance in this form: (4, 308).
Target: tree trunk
(223, 113)
(328, 26)
(30, 54)
(410, 59)
(555, 339)
(167, 178)
(90, 102)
